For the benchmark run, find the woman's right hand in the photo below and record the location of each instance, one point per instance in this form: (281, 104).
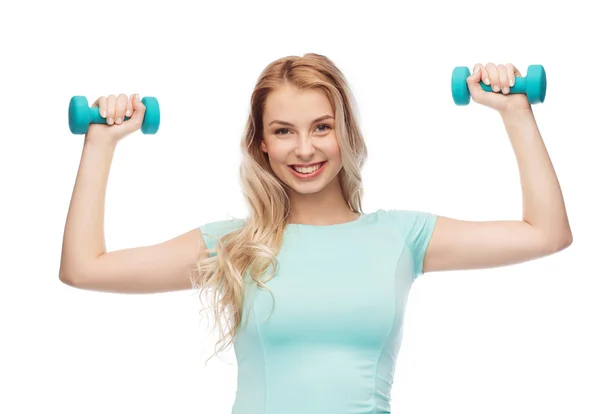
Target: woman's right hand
(114, 109)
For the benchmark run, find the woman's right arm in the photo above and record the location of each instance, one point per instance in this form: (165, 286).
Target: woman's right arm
(84, 261)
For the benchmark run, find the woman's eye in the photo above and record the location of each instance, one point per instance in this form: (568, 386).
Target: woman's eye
(280, 131)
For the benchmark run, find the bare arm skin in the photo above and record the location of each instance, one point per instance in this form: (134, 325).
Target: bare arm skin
(544, 229)
(85, 263)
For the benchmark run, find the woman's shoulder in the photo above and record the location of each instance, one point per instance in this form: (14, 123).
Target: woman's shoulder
(400, 216)
(406, 221)
(219, 227)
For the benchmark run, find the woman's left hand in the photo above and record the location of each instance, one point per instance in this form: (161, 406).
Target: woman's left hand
(501, 78)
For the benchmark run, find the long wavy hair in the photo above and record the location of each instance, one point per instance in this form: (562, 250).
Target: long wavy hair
(244, 255)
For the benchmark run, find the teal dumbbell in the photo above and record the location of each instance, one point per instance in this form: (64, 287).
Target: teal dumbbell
(81, 115)
(533, 85)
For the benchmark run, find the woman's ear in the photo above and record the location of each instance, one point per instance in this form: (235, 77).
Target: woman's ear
(263, 146)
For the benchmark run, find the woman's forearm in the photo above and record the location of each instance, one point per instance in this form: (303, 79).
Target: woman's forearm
(543, 203)
(83, 239)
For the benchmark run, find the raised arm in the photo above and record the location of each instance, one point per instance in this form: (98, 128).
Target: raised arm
(544, 228)
(84, 261)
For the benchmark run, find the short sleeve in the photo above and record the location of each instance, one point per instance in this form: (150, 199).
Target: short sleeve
(416, 227)
(212, 231)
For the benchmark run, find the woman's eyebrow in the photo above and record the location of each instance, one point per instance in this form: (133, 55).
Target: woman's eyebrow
(288, 124)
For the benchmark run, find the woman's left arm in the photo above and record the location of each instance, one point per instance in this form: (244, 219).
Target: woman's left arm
(544, 229)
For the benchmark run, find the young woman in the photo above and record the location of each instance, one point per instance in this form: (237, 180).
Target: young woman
(314, 288)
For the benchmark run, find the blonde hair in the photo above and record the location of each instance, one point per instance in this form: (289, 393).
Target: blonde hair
(251, 249)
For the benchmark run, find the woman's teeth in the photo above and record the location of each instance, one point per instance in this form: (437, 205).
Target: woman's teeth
(307, 170)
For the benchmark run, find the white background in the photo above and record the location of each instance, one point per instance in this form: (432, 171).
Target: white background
(518, 339)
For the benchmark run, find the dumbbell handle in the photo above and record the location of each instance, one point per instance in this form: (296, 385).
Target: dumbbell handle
(96, 118)
(519, 87)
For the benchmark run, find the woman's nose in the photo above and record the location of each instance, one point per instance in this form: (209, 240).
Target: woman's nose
(305, 147)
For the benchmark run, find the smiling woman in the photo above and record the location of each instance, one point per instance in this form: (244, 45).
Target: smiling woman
(307, 241)
(298, 155)
(339, 277)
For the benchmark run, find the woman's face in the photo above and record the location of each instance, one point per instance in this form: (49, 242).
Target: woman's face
(303, 149)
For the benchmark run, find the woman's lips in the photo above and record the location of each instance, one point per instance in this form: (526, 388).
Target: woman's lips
(310, 175)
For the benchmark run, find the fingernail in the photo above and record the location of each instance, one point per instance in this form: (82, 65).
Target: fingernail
(103, 114)
(118, 121)
(512, 83)
(137, 96)
(487, 81)
(505, 90)
(128, 113)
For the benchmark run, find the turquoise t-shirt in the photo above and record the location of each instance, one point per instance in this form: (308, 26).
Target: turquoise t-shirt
(331, 342)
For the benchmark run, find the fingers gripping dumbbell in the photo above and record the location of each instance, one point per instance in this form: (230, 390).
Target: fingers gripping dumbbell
(81, 115)
(533, 85)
